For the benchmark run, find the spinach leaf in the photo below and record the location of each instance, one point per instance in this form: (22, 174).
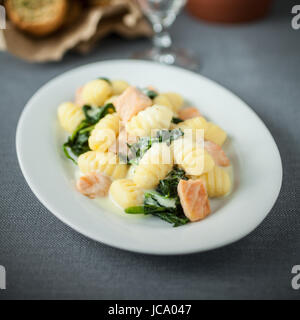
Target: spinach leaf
(169, 135)
(78, 141)
(159, 212)
(164, 208)
(156, 199)
(168, 186)
(93, 115)
(176, 120)
(139, 148)
(172, 218)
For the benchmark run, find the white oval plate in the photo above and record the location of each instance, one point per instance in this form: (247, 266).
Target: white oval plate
(254, 154)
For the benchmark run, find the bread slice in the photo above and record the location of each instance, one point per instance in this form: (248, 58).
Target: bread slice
(37, 17)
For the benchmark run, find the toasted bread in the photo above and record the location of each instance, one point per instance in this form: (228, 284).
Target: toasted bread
(37, 17)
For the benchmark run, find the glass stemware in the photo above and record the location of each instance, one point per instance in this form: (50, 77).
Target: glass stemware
(161, 14)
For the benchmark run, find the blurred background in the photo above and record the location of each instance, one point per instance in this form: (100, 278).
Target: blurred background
(45, 30)
(249, 46)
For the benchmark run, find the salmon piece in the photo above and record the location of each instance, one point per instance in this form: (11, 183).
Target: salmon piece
(188, 113)
(194, 199)
(78, 97)
(217, 153)
(94, 185)
(131, 102)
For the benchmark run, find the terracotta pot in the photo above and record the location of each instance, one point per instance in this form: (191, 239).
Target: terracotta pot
(229, 11)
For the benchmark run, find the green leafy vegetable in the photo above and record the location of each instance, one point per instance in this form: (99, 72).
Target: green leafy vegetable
(167, 209)
(78, 141)
(168, 186)
(176, 120)
(138, 149)
(164, 203)
(172, 218)
(151, 94)
(160, 212)
(136, 210)
(93, 115)
(157, 199)
(169, 135)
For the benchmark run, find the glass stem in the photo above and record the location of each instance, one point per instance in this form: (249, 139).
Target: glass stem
(162, 40)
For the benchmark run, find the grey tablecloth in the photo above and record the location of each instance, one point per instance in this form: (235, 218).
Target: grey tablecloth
(46, 259)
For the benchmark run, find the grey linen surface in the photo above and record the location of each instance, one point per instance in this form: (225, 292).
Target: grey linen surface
(46, 259)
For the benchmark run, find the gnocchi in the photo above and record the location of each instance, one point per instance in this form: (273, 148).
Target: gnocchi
(215, 134)
(104, 162)
(146, 151)
(70, 116)
(192, 157)
(154, 166)
(119, 86)
(96, 92)
(126, 193)
(105, 133)
(218, 182)
(152, 118)
(171, 100)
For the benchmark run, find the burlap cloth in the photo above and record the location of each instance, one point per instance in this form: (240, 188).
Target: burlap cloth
(120, 16)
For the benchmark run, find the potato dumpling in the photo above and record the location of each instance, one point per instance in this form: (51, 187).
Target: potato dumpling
(193, 123)
(156, 163)
(176, 100)
(105, 133)
(152, 118)
(192, 157)
(172, 100)
(105, 162)
(119, 86)
(126, 193)
(163, 100)
(218, 182)
(96, 92)
(215, 134)
(69, 116)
